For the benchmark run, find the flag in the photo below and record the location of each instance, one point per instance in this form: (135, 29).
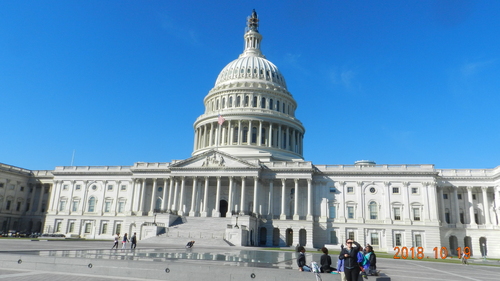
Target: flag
(220, 119)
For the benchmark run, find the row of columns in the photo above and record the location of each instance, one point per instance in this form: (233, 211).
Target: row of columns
(278, 136)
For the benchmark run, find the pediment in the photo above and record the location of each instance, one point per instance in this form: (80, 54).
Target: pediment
(214, 159)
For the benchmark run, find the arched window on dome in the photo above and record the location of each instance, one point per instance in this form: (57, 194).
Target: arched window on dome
(263, 137)
(255, 71)
(223, 104)
(268, 76)
(217, 105)
(254, 135)
(263, 103)
(261, 72)
(254, 101)
(246, 101)
(283, 107)
(230, 104)
(271, 104)
(245, 135)
(277, 105)
(238, 99)
(235, 135)
(289, 110)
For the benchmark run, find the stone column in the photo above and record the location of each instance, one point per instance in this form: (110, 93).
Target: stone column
(143, 196)
(176, 192)
(296, 200)
(154, 195)
(486, 207)
(433, 205)
(40, 202)
(164, 195)
(104, 183)
(270, 140)
(205, 199)
(271, 200)
(134, 197)
(181, 210)
(249, 133)
(243, 207)
(240, 130)
(210, 135)
(283, 196)
(32, 199)
(406, 212)
(223, 140)
(343, 206)
(456, 211)
(217, 199)
(470, 206)
(256, 196)
(441, 205)
(287, 139)
(280, 140)
(230, 207)
(387, 202)
(427, 210)
(192, 213)
(259, 134)
(497, 203)
(361, 202)
(57, 185)
(309, 200)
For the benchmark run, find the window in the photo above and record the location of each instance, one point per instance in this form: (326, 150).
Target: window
(88, 227)
(75, 205)
(350, 235)
(58, 226)
(78, 187)
(91, 204)
(397, 213)
(395, 190)
(416, 214)
(263, 103)
(277, 105)
(160, 188)
(27, 206)
(1, 184)
(271, 105)
(8, 205)
(414, 190)
(18, 207)
(107, 206)
(447, 215)
(71, 227)
(333, 211)
(418, 240)
(246, 101)
(230, 104)
(462, 218)
(123, 187)
(235, 135)
(459, 196)
(333, 189)
(373, 211)
(254, 134)
(62, 205)
(104, 228)
(333, 238)
(445, 196)
(110, 187)
(121, 206)
(94, 187)
(118, 228)
(238, 101)
(372, 190)
(245, 134)
(255, 101)
(476, 216)
(65, 187)
(473, 196)
(22, 188)
(350, 189)
(374, 238)
(350, 212)
(397, 239)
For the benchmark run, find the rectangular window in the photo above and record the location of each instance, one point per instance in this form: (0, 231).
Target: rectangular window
(395, 190)
(414, 190)
(418, 240)
(8, 205)
(107, 206)
(350, 212)
(62, 205)
(445, 196)
(78, 187)
(333, 189)
(71, 227)
(397, 214)
(1, 184)
(416, 214)
(65, 187)
(22, 188)
(350, 189)
(459, 196)
(88, 227)
(397, 239)
(104, 228)
(373, 211)
(118, 228)
(75, 205)
(333, 238)
(123, 187)
(374, 238)
(18, 207)
(27, 206)
(58, 226)
(333, 212)
(121, 207)
(110, 187)
(473, 196)
(350, 235)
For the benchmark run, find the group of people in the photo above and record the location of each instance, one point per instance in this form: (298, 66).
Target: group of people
(125, 240)
(352, 261)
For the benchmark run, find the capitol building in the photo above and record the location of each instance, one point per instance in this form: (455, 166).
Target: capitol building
(247, 183)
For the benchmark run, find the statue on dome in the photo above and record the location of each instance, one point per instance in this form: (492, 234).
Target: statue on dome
(253, 21)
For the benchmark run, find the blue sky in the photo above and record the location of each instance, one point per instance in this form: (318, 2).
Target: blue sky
(118, 82)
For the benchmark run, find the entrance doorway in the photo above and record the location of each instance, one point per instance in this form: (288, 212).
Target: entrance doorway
(289, 237)
(223, 208)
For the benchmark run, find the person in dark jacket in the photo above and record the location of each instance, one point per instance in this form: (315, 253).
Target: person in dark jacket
(133, 241)
(326, 262)
(301, 260)
(351, 261)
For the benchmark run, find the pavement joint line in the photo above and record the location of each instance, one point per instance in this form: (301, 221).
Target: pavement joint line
(447, 272)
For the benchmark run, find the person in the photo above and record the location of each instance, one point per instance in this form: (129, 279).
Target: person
(351, 262)
(190, 244)
(133, 241)
(116, 239)
(326, 262)
(301, 260)
(340, 269)
(464, 259)
(124, 241)
(370, 256)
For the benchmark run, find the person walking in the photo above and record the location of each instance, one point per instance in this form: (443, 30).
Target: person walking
(116, 239)
(124, 241)
(351, 262)
(133, 241)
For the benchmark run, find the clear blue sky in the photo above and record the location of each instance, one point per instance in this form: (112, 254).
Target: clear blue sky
(396, 82)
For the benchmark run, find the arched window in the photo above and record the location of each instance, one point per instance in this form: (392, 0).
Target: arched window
(277, 105)
(283, 107)
(447, 215)
(246, 101)
(91, 204)
(238, 99)
(255, 101)
(223, 104)
(235, 135)
(245, 134)
(263, 103)
(263, 136)
(271, 104)
(217, 105)
(230, 104)
(254, 134)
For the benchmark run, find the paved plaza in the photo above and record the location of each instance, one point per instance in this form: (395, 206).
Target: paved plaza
(23, 259)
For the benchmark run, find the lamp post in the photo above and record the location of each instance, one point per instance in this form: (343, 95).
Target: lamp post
(154, 222)
(236, 226)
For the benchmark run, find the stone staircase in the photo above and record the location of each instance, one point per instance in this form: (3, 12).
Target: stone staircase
(205, 231)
